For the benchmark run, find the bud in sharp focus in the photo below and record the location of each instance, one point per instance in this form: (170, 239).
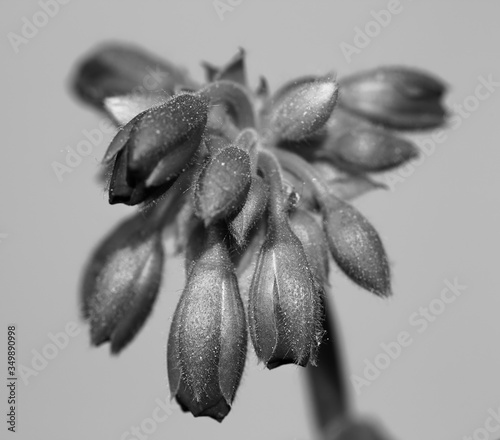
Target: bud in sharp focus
(300, 108)
(397, 97)
(284, 309)
(356, 247)
(251, 212)
(223, 184)
(121, 283)
(164, 138)
(119, 70)
(369, 150)
(207, 342)
(313, 240)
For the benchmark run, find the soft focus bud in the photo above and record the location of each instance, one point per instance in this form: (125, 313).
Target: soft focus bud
(121, 283)
(207, 342)
(353, 186)
(164, 138)
(313, 240)
(356, 247)
(120, 69)
(367, 150)
(300, 108)
(251, 212)
(222, 185)
(234, 70)
(284, 309)
(397, 97)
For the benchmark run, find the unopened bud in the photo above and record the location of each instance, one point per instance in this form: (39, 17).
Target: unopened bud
(314, 242)
(164, 138)
(121, 283)
(251, 212)
(370, 150)
(284, 302)
(300, 108)
(207, 342)
(356, 247)
(397, 97)
(222, 185)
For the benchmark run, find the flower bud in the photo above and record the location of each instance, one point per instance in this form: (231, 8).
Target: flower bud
(284, 302)
(251, 212)
(207, 341)
(164, 138)
(300, 108)
(313, 240)
(119, 70)
(356, 247)
(234, 70)
(222, 185)
(397, 97)
(121, 283)
(368, 150)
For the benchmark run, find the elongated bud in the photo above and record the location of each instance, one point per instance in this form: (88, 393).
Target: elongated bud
(356, 247)
(121, 283)
(284, 303)
(165, 138)
(121, 69)
(314, 242)
(397, 97)
(300, 108)
(251, 212)
(222, 185)
(370, 150)
(207, 342)
(234, 70)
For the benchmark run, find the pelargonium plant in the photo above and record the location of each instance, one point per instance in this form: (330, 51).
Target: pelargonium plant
(255, 187)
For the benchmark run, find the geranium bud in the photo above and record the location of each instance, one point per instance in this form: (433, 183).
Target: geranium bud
(397, 97)
(300, 108)
(121, 283)
(356, 247)
(367, 150)
(223, 184)
(207, 341)
(234, 70)
(166, 137)
(313, 240)
(120, 69)
(284, 302)
(251, 212)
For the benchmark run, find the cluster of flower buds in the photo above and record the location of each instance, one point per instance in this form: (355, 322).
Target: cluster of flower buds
(247, 181)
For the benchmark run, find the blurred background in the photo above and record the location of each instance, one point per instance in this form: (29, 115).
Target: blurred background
(439, 222)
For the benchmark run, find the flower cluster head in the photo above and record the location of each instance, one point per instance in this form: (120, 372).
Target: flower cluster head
(248, 181)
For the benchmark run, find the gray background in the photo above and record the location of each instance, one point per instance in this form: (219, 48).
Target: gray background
(440, 223)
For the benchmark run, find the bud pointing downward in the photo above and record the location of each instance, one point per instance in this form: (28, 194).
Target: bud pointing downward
(357, 248)
(207, 342)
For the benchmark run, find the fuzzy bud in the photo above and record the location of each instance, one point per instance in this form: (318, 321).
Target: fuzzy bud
(366, 150)
(284, 302)
(356, 247)
(251, 212)
(121, 283)
(222, 185)
(397, 97)
(300, 108)
(207, 342)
